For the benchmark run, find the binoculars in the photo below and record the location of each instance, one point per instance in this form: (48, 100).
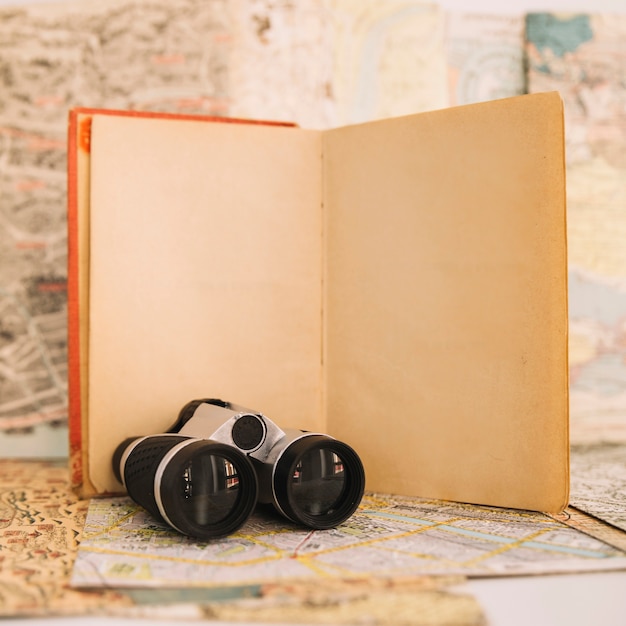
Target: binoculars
(205, 475)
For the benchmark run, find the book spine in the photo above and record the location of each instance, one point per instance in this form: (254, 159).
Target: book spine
(73, 323)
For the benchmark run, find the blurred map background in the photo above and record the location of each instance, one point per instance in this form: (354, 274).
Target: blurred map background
(320, 63)
(583, 56)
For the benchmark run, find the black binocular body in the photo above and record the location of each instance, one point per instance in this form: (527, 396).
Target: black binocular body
(205, 476)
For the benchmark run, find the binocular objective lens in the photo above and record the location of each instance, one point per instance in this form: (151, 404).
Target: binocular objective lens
(210, 487)
(206, 489)
(318, 482)
(200, 487)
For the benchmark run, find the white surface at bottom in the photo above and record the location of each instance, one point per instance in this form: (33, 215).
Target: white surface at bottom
(570, 600)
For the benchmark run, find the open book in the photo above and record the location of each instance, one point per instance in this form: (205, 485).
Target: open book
(399, 284)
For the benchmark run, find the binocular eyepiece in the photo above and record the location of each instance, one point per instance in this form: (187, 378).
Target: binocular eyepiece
(206, 474)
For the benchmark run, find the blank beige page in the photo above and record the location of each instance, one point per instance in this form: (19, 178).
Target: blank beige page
(205, 275)
(446, 302)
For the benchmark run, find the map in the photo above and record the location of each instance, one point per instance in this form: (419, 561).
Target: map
(281, 64)
(593, 526)
(405, 602)
(40, 528)
(388, 537)
(389, 59)
(598, 483)
(326, 63)
(40, 525)
(584, 58)
(485, 56)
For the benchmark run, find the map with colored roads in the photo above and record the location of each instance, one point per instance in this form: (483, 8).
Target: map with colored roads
(123, 545)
